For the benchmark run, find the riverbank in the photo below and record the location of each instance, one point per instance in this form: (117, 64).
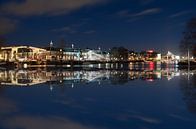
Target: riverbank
(110, 65)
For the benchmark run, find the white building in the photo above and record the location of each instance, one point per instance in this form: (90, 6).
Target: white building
(95, 55)
(22, 53)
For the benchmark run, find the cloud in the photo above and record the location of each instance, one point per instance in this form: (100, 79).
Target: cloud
(38, 122)
(126, 13)
(74, 29)
(132, 17)
(147, 119)
(66, 29)
(123, 13)
(180, 14)
(7, 25)
(45, 7)
(175, 116)
(147, 12)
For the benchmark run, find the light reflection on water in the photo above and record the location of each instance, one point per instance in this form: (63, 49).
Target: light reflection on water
(97, 99)
(60, 76)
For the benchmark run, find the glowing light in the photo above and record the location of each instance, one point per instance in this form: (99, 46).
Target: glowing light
(150, 51)
(151, 65)
(68, 65)
(150, 80)
(177, 57)
(158, 56)
(25, 66)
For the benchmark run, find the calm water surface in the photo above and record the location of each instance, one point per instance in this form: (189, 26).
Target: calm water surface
(86, 99)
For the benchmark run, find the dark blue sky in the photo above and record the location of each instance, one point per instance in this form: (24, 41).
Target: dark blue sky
(134, 24)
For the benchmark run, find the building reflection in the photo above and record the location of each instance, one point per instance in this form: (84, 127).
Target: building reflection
(34, 77)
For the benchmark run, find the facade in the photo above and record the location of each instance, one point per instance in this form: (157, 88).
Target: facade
(72, 54)
(133, 56)
(170, 58)
(29, 53)
(95, 55)
(22, 53)
(150, 55)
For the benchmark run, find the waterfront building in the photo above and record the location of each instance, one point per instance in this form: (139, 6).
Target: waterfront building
(170, 58)
(133, 56)
(22, 54)
(54, 54)
(95, 55)
(150, 55)
(40, 56)
(72, 54)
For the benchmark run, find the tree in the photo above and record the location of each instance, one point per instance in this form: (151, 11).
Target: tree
(189, 38)
(119, 53)
(114, 53)
(194, 51)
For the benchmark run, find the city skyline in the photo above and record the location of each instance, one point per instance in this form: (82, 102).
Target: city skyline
(135, 24)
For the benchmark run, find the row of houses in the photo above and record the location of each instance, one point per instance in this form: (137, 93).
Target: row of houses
(29, 53)
(151, 55)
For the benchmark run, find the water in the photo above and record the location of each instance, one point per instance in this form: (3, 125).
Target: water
(101, 99)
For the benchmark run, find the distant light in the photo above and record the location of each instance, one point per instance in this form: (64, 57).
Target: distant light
(158, 56)
(150, 80)
(68, 66)
(151, 65)
(177, 57)
(25, 66)
(150, 51)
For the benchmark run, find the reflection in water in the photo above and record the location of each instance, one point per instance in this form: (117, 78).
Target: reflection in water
(33, 77)
(188, 87)
(135, 106)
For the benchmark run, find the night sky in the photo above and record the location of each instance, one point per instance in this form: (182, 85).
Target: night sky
(135, 24)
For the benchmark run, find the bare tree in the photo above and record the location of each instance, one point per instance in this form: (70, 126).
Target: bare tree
(194, 51)
(189, 38)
